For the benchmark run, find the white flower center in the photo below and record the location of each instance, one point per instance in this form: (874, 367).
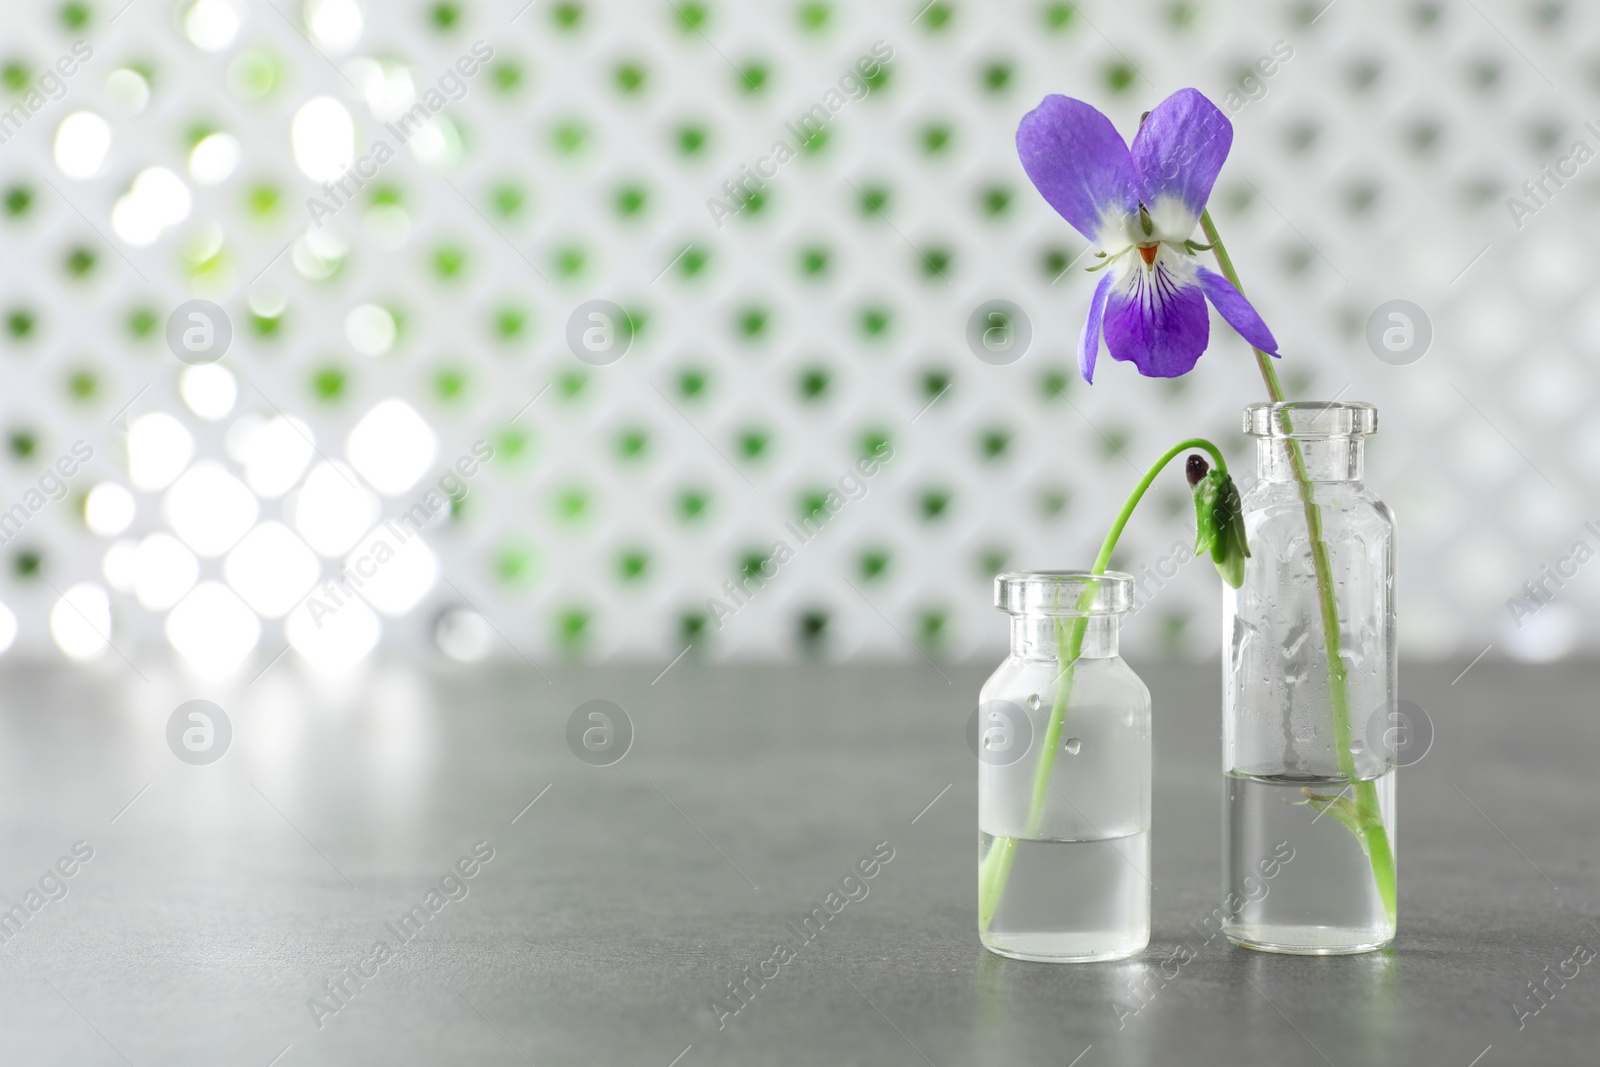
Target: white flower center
(1160, 233)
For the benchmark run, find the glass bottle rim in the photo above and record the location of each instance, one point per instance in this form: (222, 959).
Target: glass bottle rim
(1311, 419)
(1063, 593)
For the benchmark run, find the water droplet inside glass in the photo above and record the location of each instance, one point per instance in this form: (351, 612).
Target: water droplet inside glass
(1072, 746)
(1033, 701)
(1356, 746)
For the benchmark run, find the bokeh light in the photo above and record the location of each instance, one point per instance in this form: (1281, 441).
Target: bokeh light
(324, 138)
(395, 567)
(80, 622)
(210, 508)
(333, 634)
(82, 141)
(209, 389)
(332, 509)
(370, 329)
(271, 569)
(164, 569)
(120, 565)
(273, 452)
(392, 446)
(108, 509)
(159, 448)
(334, 24)
(8, 628)
(213, 24)
(213, 630)
(214, 158)
(463, 635)
(156, 201)
(128, 90)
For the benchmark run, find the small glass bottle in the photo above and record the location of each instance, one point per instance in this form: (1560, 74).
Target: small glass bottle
(1063, 742)
(1308, 787)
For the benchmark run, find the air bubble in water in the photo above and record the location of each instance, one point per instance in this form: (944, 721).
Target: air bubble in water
(1033, 701)
(1072, 746)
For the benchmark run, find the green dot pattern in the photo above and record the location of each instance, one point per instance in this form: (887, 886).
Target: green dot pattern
(817, 322)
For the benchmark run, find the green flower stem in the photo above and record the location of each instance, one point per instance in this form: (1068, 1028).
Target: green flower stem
(1369, 814)
(996, 867)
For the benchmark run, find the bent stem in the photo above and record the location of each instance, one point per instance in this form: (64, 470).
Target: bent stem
(1366, 821)
(995, 869)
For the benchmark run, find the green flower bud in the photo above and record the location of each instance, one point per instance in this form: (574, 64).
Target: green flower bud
(1219, 524)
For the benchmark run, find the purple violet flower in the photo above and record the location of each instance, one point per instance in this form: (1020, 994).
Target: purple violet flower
(1151, 306)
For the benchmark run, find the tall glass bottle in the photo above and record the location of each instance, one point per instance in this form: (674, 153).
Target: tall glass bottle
(1063, 743)
(1309, 684)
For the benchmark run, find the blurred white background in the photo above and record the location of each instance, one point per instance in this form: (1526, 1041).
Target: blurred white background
(389, 339)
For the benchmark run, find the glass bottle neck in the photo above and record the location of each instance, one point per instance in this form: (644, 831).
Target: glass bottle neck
(1035, 637)
(1327, 459)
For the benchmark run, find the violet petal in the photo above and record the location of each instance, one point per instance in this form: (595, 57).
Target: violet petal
(1180, 149)
(1157, 323)
(1079, 163)
(1089, 341)
(1237, 311)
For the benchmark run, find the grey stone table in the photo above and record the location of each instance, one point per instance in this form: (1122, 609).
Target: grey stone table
(226, 912)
